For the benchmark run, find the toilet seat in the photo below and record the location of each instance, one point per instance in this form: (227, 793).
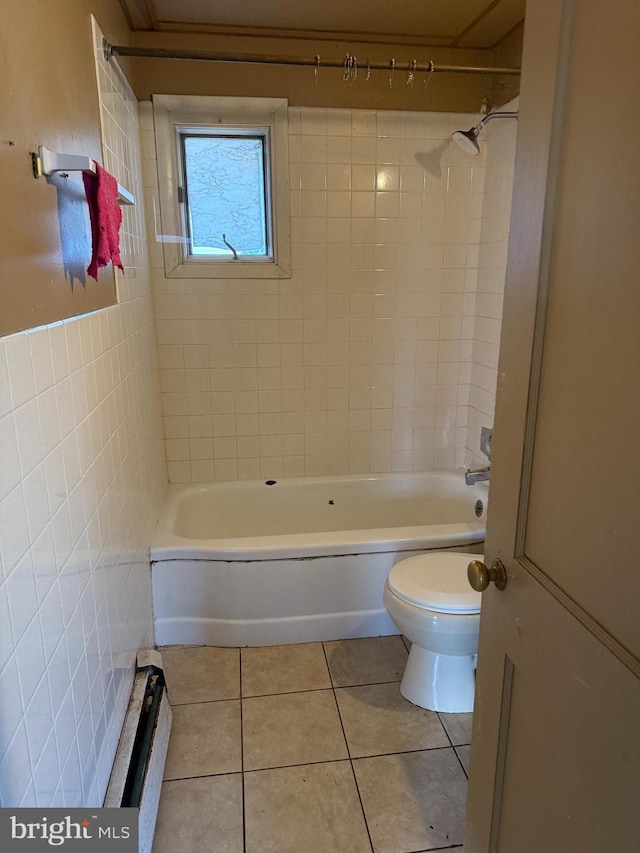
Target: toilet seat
(436, 582)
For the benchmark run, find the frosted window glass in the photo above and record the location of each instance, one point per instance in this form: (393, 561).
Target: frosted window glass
(225, 194)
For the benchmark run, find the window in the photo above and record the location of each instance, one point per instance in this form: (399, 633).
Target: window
(223, 186)
(226, 194)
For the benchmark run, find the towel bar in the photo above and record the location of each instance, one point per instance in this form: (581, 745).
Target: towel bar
(46, 162)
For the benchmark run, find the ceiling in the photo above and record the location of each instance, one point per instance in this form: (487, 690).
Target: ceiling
(446, 23)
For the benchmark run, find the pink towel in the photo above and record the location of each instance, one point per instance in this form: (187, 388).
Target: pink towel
(106, 217)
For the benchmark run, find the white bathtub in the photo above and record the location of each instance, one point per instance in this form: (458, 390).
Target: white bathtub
(301, 560)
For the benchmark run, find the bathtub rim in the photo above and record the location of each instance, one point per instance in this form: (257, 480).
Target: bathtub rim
(168, 545)
(301, 546)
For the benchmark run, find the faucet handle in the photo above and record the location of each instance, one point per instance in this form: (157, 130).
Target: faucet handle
(486, 439)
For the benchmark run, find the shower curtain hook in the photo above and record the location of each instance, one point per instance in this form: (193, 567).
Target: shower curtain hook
(393, 68)
(368, 77)
(411, 73)
(430, 70)
(350, 68)
(316, 70)
(345, 74)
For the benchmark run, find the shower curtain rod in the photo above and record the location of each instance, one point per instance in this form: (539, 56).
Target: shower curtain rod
(303, 61)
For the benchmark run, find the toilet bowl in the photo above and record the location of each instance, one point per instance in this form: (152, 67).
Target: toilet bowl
(429, 599)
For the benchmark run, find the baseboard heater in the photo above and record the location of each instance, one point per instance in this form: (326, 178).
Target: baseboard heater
(136, 777)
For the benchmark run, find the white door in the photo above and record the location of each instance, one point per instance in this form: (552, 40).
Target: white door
(555, 761)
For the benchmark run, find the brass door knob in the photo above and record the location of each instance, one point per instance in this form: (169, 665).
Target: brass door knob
(480, 576)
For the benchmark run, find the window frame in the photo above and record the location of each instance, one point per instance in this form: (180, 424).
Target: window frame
(175, 115)
(207, 132)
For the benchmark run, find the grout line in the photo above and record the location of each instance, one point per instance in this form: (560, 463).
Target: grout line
(401, 752)
(326, 659)
(344, 734)
(288, 692)
(454, 745)
(302, 764)
(364, 816)
(445, 729)
(460, 759)
(203, 776)
(205, 702)
(367, 684)
(244, 828)
(353, 772)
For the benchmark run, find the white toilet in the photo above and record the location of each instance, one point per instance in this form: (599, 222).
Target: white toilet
(429, 599)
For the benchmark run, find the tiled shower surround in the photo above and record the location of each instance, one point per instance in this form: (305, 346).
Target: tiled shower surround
(499, 142)
(365, 360)
(82, 477)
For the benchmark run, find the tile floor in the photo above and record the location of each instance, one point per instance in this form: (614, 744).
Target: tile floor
(307, 749)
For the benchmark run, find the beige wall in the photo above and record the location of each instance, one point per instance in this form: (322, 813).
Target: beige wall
(507, 53)
(48, 96)
(450, 92)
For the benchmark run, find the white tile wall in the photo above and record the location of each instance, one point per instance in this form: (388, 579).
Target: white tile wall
(499, 144)
(361, 361)
(82, 477)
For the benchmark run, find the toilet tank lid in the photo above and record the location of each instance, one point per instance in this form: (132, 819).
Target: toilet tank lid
(436, 582)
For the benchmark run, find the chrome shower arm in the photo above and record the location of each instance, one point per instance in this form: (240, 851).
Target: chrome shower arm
(486, 119)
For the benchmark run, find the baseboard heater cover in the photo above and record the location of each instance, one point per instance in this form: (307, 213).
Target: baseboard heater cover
(138, 768)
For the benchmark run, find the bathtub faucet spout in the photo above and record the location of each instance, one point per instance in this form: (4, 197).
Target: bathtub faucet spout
(476, 475)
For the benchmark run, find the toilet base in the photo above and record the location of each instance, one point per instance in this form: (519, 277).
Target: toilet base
(439, 682)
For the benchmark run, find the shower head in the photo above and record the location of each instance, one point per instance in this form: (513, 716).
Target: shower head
(468, 139)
